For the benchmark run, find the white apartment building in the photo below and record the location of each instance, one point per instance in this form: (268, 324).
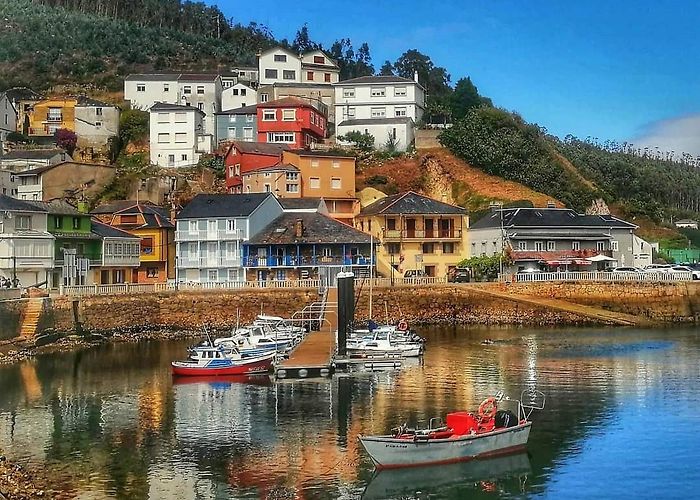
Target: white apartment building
(26, 246)
(201, 91)
(384, 106)
(237, 96)
(210, 232)
(177, 135)
(279, 65)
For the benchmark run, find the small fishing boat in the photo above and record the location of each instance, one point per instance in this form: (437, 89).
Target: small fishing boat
(218, 360)
(464, 436)
(382, 343)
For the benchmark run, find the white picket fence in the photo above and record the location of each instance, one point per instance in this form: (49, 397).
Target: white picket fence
(599, 276)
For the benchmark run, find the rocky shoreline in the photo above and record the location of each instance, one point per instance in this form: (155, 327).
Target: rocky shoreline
(17, 484)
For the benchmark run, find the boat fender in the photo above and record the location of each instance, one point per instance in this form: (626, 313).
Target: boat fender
(488, 408)
(402, 326)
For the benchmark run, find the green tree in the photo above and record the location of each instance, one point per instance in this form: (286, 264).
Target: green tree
(302, 42)
(362, 141)
(133, 126)
(465, 97)
(435, 79)
(387, 69)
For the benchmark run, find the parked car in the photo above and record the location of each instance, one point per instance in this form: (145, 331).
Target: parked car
(459, 275)
(414, 273)
(627, 270)
(658, 268)
(685, 269)
(529, 270)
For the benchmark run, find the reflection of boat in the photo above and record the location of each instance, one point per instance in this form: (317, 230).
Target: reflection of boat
(256, 379)
(438, 480)
(217, 361)
(463, 437)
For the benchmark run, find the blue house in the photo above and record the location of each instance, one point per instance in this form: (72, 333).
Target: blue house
(237, 124)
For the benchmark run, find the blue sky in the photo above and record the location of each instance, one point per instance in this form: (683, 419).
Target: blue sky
(623, 69)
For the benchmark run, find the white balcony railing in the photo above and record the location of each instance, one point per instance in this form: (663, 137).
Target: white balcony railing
(121, 260)
(599, 276)
(238, 234)
(208, 262)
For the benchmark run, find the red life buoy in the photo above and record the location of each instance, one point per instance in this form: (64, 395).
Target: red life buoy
(402, 326)
(488, 408)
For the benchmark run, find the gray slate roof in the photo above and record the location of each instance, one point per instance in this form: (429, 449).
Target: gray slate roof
(222, 205)
(7, 203)
(117, 205)
(32, 154)
(318, 228)
(376, 121)
(411, 203)
(547, 217)
(163, 106)
(245, 110)
(22, 94)
(107, 231)
(299, 203)
(57, 207)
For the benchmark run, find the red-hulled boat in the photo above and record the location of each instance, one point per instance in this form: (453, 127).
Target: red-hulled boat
(216, 361)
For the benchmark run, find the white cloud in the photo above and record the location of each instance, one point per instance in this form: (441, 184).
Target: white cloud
(680, 134)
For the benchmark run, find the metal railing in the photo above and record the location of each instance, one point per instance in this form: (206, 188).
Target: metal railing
(421, 234)
(205, 235)
(209, 262)
(298, 261)
(599, 276)
(401, 281)
(124, 288)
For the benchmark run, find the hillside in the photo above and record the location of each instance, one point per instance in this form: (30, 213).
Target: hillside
(42, 45)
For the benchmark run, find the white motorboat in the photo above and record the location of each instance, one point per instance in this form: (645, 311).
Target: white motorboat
(382, 343)
(278, 324)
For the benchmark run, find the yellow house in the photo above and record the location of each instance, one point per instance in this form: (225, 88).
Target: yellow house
(416, 233)
(152, 224)
(49, 115)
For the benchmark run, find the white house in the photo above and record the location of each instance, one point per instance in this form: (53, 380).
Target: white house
(26, 246)
(643, 251)
(237, 96)
(177, 135)
(317, 67)
(26, 159)
(95, 123)
(280, 65)
(201, 91)
(384, 106)
(8, 119)
(210, 232)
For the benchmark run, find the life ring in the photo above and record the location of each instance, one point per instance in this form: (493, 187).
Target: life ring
(488, 408)
(402, 326)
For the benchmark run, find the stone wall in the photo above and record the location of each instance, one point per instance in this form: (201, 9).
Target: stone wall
(427, 139)
(11, 317)
(667, 302)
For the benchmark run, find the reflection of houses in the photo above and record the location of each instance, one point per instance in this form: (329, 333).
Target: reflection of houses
(555, 239)
(305, 245)
(416, 232)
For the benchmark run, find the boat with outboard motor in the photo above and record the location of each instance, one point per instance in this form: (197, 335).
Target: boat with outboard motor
(218, 360)
(464, 436)
(382, 342)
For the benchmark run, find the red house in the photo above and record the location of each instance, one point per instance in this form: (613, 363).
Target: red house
(292, 121)
(243, 157)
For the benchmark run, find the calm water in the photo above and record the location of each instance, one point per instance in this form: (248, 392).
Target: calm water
(621, 420)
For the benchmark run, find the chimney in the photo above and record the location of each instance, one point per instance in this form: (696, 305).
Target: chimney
(83, 206)
(298, 228)
(415, 76)
(551, 204)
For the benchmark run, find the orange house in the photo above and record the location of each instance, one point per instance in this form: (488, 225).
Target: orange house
(152, 224)
(49, 115)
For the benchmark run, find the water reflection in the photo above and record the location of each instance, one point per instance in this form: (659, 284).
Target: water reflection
(111, 422)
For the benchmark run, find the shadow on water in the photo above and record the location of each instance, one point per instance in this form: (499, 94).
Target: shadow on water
(613, 350)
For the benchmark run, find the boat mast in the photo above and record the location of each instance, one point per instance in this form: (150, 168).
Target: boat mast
(371, 273)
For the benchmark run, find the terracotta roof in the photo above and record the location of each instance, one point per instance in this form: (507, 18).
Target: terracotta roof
(260, 148)
(411, 203)
(317, 228)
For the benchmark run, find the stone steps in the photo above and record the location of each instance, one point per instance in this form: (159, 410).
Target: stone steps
(31, 318)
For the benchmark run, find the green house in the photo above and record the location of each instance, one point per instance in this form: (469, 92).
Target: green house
(77, 251)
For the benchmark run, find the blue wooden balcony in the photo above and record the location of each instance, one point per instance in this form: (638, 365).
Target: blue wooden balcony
(305, 261)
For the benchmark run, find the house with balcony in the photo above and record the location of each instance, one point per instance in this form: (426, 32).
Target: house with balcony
(306, 245)
(177, 135)
(556, 239)
(119, 254)
(152, 225)
(416, 232)
(292, 121)
(240, 124)
(212, 229)
(244, 156)
(387, 107)
(26, 246)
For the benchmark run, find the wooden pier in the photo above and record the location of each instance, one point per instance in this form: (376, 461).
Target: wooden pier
(313, 357)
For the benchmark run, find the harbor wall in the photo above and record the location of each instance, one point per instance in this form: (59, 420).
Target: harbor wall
(11, 312)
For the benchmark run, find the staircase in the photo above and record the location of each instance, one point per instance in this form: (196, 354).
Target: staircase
(31, 317)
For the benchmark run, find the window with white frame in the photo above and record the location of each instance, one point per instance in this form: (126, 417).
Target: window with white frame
(314, 183)
(335, 183)
(289, 115)
(140, 87)
(264, 97)
(231, 225)
(281, 137)
(180, 137)
(23, 222)
(187, 89)
(269, 115)
(163, 138)
(180, 117)
(292, 176)
(249, 118)
(166, 87)
(183, 157)
(378, 92)
(292, 188)
(192, 227)
(539, 246)
(522, 245)
(336, 163)
(237, 168)
(248, 133)
(349, 112)
(551, 246)
(98, 111)
(348, 93)
(163, 117)
(614, 246)
(314, 163)
(200, 89)
(399, 91)
(289, 74)
(271, 73)
(280, 58)
(600, 246)
(268, 188)
(378, 112)
(400, 111)
(576, 245)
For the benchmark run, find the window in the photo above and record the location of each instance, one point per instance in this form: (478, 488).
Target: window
(76, 222)
(378, 112)
(128, 219)
(327, 77)
(400, 111)
(171, 160)
(269, 115)
(183, 157)
(292, 176)
(163, 138)
(280, 58)
(378, 92)
(281, 137)
(448, 248)
(163, 117)
(289, 115)
(98, 124)
(336, 163)
(576, 245)
(319, 60)
(23, 222)
(249, 118)
(200, 106)
(614, 246)
(151, 272)
(147, 246)
(247, 133)
(237, 168)
(230, 171)
(263, 97)
(428, 248)
(600, 246)
(310, 76)
(193, 227)
(399, 91)
(213, 275)
(180, 137)
(314, 163)
(327, 251)
(57, 222)
(292, 188)
(335, 183)
(268, 188)
(539, 246)
(551, 246)
(166, 87)
(200, 89)
(349, 112)
(348, 93)
(314, 183)
(98, 111)
(289, 74)
(140, 87)
(187, 89)
(180, 117)
(391, 224)
(243, 92)
(393, 248)
(231, 225)
(522, 246)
